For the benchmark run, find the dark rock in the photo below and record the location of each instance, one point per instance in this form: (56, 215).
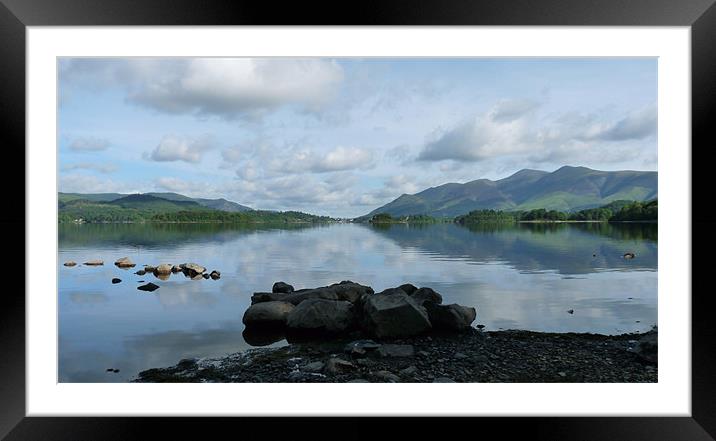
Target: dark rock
(95, 262)
(408, 288)
(647, 347)
(459, 355)
(148, 287)
(395, 315)
(281, 287)
(443, 380)
(116, 280)
(176, 269)
(215, 275)
(321, 315)
(140, 272)
(392, 350)
(268, 314)
(570, 311)
(424, 295)
(629, 255)
(391, 291)
(450, 317)
(205, 275)
(409, 371)
(337, 366)
(70, 263)
(346, 290)
(387, 376)
(361, 347)
(263, 336)
(316, 366)
(358, 380)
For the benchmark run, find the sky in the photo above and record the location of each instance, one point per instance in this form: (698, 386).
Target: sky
(343, 136)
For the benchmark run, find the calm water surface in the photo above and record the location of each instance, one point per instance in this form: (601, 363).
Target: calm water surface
(518, 277)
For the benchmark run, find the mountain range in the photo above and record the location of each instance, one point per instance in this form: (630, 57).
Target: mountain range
(566, 189)
(154, 201)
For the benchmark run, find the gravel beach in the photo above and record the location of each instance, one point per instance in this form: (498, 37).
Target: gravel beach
(472, 356)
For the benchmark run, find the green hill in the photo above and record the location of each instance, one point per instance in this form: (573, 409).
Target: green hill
(567, 189)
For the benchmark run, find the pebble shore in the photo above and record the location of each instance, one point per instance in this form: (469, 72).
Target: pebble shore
(472, 356)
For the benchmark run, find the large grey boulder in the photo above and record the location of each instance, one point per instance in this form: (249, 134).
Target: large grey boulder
(282, 287)
(346, 290)
(267, 314)
(394, 315)
(409, 288)
(424, 295)
(333, 316)
(450, 317)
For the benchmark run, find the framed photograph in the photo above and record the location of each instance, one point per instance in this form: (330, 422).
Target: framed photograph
(457, 217)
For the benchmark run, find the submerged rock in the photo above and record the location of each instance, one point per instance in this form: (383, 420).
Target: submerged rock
(268, 314)
(148, 287)
(141, 272)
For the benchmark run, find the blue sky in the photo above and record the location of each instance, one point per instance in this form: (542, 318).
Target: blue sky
(344, 136)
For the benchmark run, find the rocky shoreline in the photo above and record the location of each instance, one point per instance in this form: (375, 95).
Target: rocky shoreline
(471, 356)
(346, 332)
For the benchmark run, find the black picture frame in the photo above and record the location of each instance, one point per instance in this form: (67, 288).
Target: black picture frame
(700, 15)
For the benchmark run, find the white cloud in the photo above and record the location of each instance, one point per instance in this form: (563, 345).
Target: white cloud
(89, 144)
(511, 129)
(102, 168)
(232, 87)
(185, 187)
(176, 148)
(80, 183)
(305, 160)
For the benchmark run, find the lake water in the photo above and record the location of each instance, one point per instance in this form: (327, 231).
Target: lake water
(518, 277)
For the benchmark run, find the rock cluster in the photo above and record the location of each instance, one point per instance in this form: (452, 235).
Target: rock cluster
(349, 307)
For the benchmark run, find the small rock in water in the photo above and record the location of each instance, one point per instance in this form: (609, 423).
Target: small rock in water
(95, 262)
(140, 281)
(148, 287)
(629, 255)
(215, 275)
(70, 263)
(480, 327)
(570, 311)
(116, 280)
(205, 275)
(115, 370)
(124, 262)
